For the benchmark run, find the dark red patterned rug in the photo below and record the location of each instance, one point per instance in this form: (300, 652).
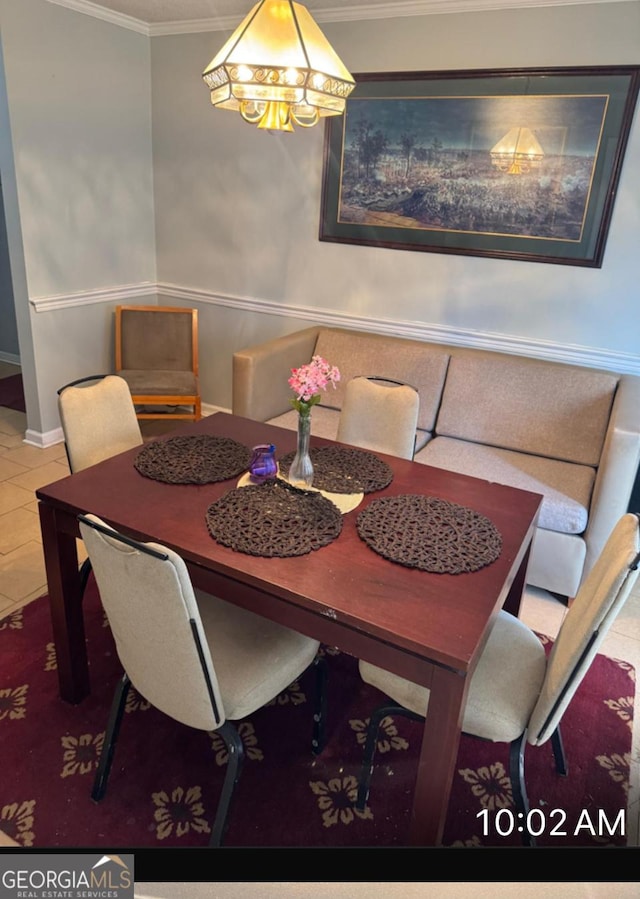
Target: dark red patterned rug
(166, 777)
(12, 393)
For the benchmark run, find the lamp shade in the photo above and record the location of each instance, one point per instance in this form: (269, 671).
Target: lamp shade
(278, 68)
(517, 152)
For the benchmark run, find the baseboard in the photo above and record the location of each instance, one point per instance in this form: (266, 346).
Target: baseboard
(43, 439)
(11, 358)
(207, 409)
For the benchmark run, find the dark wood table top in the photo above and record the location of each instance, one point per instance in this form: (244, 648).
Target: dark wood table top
(436, 616)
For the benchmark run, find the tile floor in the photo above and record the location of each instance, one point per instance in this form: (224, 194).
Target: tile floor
(24, 468)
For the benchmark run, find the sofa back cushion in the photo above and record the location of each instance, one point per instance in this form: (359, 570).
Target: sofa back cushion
(529, 405)
(411, 361)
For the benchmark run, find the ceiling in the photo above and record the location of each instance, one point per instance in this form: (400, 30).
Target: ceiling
(174, 16)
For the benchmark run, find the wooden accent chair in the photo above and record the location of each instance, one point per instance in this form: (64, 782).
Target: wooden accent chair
(156, 352)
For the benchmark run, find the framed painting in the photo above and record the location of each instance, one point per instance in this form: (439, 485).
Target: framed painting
(509, 164)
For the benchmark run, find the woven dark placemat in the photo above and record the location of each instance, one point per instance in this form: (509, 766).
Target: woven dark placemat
(273, 519)
(197, 459)
(429, 533)
(338, 469)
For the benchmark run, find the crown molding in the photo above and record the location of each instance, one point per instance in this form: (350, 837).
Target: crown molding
(345, 13)
(107, 15)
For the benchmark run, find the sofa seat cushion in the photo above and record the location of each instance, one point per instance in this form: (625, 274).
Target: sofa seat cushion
(413, 362)
(324, 423)
(566, 488)
(528, 405)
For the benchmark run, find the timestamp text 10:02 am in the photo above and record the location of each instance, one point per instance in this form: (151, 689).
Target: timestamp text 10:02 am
(553, 823)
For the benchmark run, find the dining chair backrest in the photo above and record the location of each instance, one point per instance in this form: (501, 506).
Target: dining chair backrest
(380, 415)
(590, 616)
(156, 352)
(149, 601)
(98, 419)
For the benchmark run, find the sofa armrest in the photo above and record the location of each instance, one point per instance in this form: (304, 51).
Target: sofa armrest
(261, 373)
(617, 469)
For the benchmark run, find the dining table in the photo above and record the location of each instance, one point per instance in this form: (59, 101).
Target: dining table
(424, 624)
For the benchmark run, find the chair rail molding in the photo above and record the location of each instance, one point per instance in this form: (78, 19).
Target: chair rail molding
(575, 354)
(117, 294)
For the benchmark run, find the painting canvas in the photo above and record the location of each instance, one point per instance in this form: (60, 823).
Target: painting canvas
(517, 165)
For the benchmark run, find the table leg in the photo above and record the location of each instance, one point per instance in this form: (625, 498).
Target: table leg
(65, 603)
(516, 591)
(440, 742)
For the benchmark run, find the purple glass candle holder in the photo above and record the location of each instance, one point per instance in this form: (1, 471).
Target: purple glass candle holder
(263, 466)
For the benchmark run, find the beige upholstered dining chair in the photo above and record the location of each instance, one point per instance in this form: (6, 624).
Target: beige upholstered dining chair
(231, 661)
(517, 695)
(380, 415)
(98, 421)
(156, 352)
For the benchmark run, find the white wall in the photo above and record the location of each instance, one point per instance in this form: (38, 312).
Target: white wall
(237, 210)
(113, 136)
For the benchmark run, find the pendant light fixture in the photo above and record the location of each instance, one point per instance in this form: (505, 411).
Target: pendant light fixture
(277, 69)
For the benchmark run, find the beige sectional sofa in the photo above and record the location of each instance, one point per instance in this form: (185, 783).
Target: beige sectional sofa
(568, 432)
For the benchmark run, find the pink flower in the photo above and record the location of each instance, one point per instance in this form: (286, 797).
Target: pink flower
(308, 380)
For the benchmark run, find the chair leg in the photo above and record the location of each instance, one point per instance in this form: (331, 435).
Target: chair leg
(319, 738)
(110, 738)
(85, 571)
(235, 748)
(516, 773)
(370, 747)
(558, 752)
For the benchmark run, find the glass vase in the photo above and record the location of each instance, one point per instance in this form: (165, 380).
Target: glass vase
(301, 470)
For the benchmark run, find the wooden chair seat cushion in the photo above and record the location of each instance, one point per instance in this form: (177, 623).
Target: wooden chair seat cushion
(160, 383)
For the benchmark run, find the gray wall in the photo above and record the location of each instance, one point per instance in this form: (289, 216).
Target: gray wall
(9, 348)
(237, 210)
(116, 146)
(79, 102)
